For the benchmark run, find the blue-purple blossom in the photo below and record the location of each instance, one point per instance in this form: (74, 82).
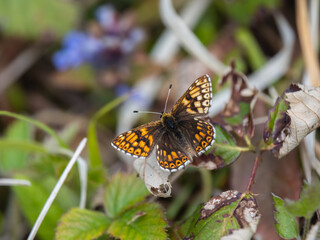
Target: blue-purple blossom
(112, 47)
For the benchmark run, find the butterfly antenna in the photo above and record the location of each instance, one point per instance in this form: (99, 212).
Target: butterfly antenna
(135, 111)
(165, 106)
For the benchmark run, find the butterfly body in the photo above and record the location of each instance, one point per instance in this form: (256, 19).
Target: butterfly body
(179, 135)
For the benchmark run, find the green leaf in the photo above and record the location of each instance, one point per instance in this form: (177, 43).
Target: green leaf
(82, 224)
(13, 159)
(40, 125)
(251, 48)
(25, 146)
(123, 191)
(93, 146)
(242, 12)
(32, 18)
(309, 201)
(31, 200)
(238, 118)
(286, 223)
(223, 152)
(145, 221)
(221, 216)
(225, 146)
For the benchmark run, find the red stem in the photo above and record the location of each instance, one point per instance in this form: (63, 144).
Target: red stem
(253, 172)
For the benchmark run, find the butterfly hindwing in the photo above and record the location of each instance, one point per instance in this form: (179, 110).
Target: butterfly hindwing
(170, 155)
(196, 101)
(139, 141)
(200, 133)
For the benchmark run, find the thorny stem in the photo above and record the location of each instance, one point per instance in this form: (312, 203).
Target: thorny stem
(254, 170)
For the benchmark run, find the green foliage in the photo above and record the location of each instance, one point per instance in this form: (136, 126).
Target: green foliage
(206, 30)
(82, 224)
(238, 118)
(286, 223)
(217, 217)
(243, 11)
(308, 203)
(13, 159)
(96, 170)
(31, 19)
(122, 192)
(251, 48)
(32, 199)
(225, 146)
(38, 124)
(126, 218)
(144, 221)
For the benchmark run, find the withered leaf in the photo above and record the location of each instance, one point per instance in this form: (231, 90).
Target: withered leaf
(295, 114)
(155, 179)
(238, 111)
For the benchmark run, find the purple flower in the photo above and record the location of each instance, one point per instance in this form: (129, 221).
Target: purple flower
(122, 89)
(106, 16)
(113, 46)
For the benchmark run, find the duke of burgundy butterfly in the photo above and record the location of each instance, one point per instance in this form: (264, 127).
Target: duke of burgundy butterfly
(179, 135)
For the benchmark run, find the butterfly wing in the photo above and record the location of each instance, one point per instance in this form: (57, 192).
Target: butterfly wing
(139, 141)
(200, 134)
(170, 155)
(196, 101)
(174, 154)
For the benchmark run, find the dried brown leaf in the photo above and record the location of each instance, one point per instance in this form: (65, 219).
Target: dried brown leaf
(238, 111)
(304, 114)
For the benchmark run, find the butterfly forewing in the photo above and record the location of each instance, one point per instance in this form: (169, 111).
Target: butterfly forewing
(196, 101)
(139, 141)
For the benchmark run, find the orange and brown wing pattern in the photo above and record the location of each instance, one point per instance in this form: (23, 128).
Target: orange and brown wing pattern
(170, 156)
(200, 133)
(139, 141)
(196, 100)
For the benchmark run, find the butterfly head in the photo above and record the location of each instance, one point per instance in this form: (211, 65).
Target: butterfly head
(168, 121)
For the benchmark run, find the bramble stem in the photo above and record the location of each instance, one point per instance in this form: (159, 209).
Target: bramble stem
(254, 170)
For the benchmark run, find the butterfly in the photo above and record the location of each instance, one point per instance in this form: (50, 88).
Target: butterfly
(179, 135)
